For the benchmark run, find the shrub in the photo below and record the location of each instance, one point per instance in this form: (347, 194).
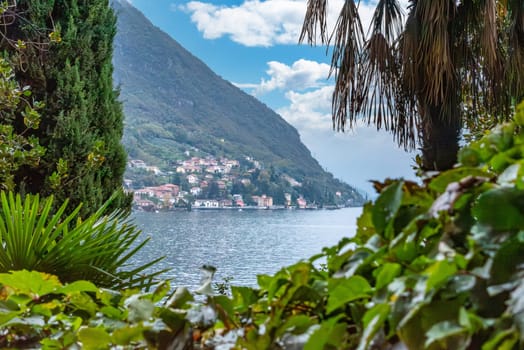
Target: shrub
(432, 266)
(95, 249)
(38, 311)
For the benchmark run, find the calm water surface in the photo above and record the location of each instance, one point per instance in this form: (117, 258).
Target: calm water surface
(241, 244)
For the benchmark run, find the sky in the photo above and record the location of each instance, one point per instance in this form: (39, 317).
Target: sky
(254, 45)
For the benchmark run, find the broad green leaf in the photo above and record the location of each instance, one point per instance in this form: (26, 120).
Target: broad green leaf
(386, 274)
(440, 183)
(94, 338)
(442, 330)
(329, 335)
(84, 302)
(386, 206)
(345, 290)
(373, 320)
(51, 344)
(507, 258)
(78, 286)
(365, 227)
(112, 312)
(5, 317)
(439, 273)
(47, 309)
(128, 334)
(264, 281)
(502, 209)
(243, 298)
(31, 282)
(296, 324)
(225, 307)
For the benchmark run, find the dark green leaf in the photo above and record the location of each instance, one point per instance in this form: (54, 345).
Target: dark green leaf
(373, 320)
(502, 209)
(442, 330)
(386, 206)
(128, 334)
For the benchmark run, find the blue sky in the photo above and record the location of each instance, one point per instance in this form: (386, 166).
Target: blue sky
(254, 44)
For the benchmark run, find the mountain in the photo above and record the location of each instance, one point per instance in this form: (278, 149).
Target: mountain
(174, 103)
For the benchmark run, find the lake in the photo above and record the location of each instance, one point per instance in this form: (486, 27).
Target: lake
(240, 244)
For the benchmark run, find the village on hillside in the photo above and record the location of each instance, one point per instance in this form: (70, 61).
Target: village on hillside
(210, 183)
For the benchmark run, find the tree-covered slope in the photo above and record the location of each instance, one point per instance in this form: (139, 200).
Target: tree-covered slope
(174, 102)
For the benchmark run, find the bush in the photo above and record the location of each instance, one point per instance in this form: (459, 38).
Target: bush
(432, 266)
(38, 311)
(95, 249)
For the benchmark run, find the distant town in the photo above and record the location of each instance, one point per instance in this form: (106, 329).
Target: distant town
(215, 183)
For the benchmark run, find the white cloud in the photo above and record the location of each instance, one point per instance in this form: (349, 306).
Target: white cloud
(309, 110)
(264, 23)
(253, 23)
(301, 75)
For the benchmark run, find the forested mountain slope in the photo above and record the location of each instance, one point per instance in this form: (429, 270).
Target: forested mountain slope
(174, 102)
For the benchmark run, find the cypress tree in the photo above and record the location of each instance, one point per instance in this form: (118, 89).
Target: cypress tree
(82, 121)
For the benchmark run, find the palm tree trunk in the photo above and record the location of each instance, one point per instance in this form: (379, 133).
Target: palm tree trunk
(440, 134)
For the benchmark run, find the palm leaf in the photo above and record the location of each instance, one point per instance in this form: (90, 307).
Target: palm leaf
(94, 249)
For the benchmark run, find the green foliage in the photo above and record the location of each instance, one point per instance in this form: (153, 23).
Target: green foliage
(16, 148)
(96, 248)
(433, 266)
(81, 124)
(38, 311)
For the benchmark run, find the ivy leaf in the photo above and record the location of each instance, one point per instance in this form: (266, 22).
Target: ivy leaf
(501, 209)
(373, 320)
(441, 182)
(128, 334)
(243, 297)
(442, 330)
(296, 324)
(345, 290)
(31, 282)
(386, 274)
(78, 286)
(386, 206)
(94, 338)
(439, 273)
(329, 335)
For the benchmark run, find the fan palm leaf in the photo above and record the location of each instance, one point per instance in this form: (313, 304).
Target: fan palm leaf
(448, 61)
(96, 249)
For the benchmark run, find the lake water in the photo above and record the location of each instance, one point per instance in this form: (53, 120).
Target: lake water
(240, 244)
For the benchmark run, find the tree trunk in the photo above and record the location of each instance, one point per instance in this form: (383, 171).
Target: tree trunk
(439, 137)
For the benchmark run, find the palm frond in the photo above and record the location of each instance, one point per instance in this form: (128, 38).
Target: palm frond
(347, 40)
(315, 22)
(94, 249)
(381, 68)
